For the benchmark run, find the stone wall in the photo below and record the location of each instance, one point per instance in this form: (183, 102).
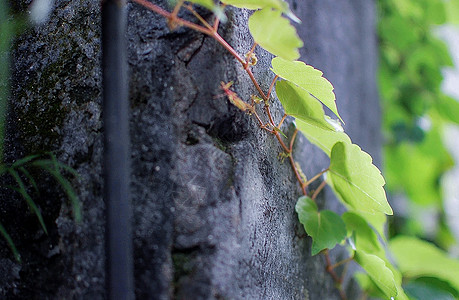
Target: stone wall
(213, 205)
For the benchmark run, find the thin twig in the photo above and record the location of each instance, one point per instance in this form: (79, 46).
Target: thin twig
(217, 19)
(272, 86)
(177, 9)
(255, 83)
(316, 176)
(292, 140)
(282, 120)
(317, 191)
(248, 56)
(168, 16)
(335, 277)
(199, 17)
(297, 175)
(268, 112)
(281, 142)
(344, 261)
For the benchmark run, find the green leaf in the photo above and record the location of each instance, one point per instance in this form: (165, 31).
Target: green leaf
(308, 78)
(10, 243)
(29, 177)
(417, 258)
(22, 190)
(448, 108)
(259, 4)
(300, 104)
(24, 160)
(325, 227)
(356, 180)
(46, 163)
(209, 4)
(399, 32)
(368, 285)
(325, 139)
(381, 275)
(205, 3)
(275, 33)
(66, 186)
(452, 11)
(418, 180)
(365, 239)
(421, 291)
(377, 220)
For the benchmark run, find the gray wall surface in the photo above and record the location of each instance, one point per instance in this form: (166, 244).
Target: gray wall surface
(213, 205)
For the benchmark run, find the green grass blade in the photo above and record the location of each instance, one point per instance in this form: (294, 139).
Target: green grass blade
(24, 160)
(3, 169)
(68, 189)
(53, 166)
(47, 164)
(60, 165)
(29, 177)
(10, 243)
(27, 198)
(68, 169)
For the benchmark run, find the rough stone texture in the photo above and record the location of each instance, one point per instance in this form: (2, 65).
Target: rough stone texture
(213, 205)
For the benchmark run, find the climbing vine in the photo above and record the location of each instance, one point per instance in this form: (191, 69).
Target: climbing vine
(303, 93)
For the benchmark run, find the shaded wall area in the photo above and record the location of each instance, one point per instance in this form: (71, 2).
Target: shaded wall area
(213, 205)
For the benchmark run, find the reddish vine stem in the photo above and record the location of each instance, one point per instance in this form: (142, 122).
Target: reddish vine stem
(249, 55)
(177, 8)
(282, 120)
(335, 277)
(297, 175)
(268, 112)
(168, 16)
(292, 140)
(198, 16)
(344, 261)
(316, 177)
(318, 190)
(212, 31)
(272, 85)
(281, 142)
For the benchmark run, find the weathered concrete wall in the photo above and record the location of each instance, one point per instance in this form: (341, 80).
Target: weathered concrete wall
(213, 205)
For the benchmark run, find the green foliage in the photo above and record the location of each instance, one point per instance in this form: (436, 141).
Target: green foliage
(300, 104)
(356, 180)
(325, 139)
(421, 291)
(417, 258)
(258, 4)
(325, 227)
(414, 118)
(362, 235)
(205, 3)
(381, 275)
(308, 78)
(275, 33)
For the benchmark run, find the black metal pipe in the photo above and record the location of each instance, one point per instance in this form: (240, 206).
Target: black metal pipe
(119, 276)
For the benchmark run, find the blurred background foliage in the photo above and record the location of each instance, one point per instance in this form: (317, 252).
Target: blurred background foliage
(419, 122)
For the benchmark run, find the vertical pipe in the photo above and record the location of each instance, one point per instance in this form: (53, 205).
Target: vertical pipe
(119, 276)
